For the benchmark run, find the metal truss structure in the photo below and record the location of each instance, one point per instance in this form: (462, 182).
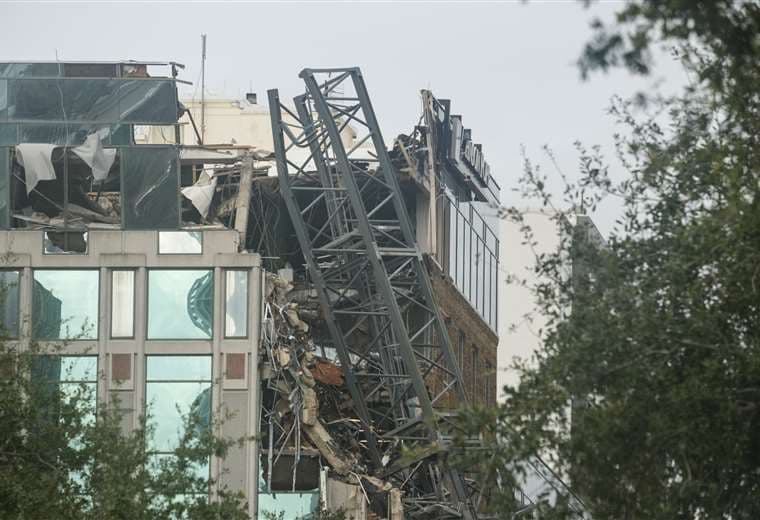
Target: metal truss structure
(375, 294)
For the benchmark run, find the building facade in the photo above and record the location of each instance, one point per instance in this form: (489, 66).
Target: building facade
(155, 320)
(162, 264)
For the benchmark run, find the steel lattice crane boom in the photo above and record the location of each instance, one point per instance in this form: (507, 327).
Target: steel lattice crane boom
(358, 242)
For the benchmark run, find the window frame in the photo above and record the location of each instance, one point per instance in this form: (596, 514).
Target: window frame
(247, 302)
(65, 269)
(148, 271)
(17, 333)
(146, 404)
(134, 303)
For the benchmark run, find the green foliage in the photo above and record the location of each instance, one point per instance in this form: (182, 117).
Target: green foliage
(60, 459)
(645, 393)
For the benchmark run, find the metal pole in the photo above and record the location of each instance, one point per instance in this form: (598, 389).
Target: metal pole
(203, 88)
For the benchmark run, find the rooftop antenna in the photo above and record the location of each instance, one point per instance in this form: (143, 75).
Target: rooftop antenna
(203, 88)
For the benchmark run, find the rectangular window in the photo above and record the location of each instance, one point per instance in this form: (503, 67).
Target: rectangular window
(9, 304)
(122, 304)
(489, 382)
(176, 387)
(72, 385)
(180, 304)
(461, 351)
(65, 304)
(474, 373)
(236, 304)
(68, 371)
(180, 242)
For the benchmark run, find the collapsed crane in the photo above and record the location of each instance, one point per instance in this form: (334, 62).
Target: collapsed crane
(375, 295)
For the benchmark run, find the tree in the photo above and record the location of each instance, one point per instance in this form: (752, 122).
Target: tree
(645, 393)
(60, 457)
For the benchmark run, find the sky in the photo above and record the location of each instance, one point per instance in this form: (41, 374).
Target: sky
(508, 67)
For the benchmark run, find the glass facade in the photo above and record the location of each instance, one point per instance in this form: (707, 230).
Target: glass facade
(236, 304)
(65, 304)
(468, 251)
(9, 304)
(175, 387)
(66, 104)
(180, 304)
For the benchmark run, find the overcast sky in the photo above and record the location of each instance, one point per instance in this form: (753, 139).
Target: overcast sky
(509, 68)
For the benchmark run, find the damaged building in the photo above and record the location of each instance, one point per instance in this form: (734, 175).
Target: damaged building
(335, 291)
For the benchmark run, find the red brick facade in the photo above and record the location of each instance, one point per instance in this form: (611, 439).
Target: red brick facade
(473, 340)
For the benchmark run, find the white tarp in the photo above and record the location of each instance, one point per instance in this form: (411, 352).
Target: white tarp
(201, 193)
(37, 160)
(95, 156)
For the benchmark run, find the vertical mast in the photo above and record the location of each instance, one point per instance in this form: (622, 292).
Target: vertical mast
(203, 88)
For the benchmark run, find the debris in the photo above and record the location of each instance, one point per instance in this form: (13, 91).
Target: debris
(37, 160)
(95, 156)
(327, 373)
(201, 193)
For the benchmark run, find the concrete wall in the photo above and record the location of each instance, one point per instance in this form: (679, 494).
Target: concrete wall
(518, 323)
(233, 122)
(138, 250)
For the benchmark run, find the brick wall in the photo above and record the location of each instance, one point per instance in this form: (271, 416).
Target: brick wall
(477, 358)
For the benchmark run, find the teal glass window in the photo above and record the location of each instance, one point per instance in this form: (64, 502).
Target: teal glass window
(176, 386)
(180, 304)
(9, 304)
(65, 304)
(75, 378)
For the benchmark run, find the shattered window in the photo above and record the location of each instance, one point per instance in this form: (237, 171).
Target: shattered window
(236, 304)
(297, 499)
(65, 304)
(180, 242)
(41, 111)
(9, 304)
(151, 188)
(148, 101)
(294, 505)
(122, 303)
(65, 190)
(35, 100)
(177, 386)
(180, 304)
(64, 243)
(92, 100)
(154, 134)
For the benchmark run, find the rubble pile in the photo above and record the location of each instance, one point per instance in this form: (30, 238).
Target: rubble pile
(307, 408)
